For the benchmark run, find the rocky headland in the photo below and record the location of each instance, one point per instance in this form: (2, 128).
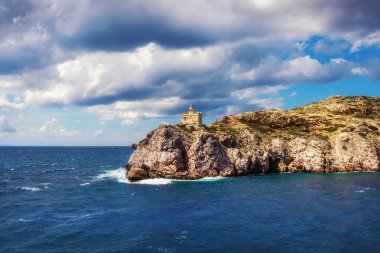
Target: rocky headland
(338, 134)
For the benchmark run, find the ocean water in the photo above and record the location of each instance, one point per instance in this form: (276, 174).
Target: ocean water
(77, 199)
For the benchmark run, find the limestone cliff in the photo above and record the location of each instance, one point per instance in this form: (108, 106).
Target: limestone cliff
(339, 134)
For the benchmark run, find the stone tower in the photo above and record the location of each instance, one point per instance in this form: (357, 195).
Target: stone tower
(192, 117)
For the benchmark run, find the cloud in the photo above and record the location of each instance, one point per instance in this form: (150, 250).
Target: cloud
(36, 34)
(326, 46)
(9, 103)
(253, 97)
(210, 77)
(152, 71)
(52, 128)
(373, 67)
(5, 126)
(98, 78)
(26, 40)
(257, 91)
(130, 113)
(372, 39)
(98, 133)
(359, 71)
(123, 25)
(267, 103)
(297, 70)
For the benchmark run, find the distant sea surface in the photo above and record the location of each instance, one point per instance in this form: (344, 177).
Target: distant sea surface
(77, 199)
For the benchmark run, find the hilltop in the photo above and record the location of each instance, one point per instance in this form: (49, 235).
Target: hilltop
(338, 134)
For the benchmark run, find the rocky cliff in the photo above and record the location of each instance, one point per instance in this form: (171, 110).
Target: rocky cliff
(339, 134)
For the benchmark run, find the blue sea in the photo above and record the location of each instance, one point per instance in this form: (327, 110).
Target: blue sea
(77, 199)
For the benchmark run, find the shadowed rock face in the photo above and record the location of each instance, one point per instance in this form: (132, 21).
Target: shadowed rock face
(339, 134)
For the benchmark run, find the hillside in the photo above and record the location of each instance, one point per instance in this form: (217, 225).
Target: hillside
(338, 134)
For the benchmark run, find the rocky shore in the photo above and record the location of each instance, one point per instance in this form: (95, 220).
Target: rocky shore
(339, 134)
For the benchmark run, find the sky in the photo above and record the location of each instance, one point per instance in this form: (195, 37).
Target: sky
(108, 72)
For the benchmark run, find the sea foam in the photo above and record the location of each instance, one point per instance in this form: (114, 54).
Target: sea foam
(155, 181)
(33, 189)
(120, 176)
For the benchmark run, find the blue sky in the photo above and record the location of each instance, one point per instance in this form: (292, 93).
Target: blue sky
(107, 72)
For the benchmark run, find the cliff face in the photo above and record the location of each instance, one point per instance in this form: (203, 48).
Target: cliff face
(339, 134)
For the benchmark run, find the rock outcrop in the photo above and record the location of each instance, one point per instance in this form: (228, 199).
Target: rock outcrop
(339, 134)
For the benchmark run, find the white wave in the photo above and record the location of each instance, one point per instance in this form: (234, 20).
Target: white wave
(24, 220)
(210, 179)
(118, 175)
(33, 189)
(84, 184)
(76, 217)
(363, 189)
(19, 220)
(164, 181)
(154, 181)
(45, 185)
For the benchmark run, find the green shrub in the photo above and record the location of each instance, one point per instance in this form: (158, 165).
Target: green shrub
(295, 131)
(252, 127)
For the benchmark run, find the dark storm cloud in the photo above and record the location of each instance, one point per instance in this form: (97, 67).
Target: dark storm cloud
(17, 51)
(124, 25)
(126, 33)
(10, 9)
(24, 59)
(128, 94)
(356, 16)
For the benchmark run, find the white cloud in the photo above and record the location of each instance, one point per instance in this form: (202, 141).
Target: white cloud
(35, 36)
(338, 60)
(359, 71)
(372, 39)
(52, 128)
(130, 113)
(231, 109)
(5, 126)
(6, 103)
(98, 133)
(253, 96)
(268, 103)
(298, 69)
(106, 74)
(301, 68)
(257, 91)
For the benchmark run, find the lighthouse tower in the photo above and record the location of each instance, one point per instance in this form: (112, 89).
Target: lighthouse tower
(192, 117)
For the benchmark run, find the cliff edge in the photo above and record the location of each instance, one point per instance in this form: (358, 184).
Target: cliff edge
(338, 134)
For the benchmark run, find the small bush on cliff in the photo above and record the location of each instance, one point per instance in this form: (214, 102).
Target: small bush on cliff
(252, 127)
(188, 129)
(295, 131)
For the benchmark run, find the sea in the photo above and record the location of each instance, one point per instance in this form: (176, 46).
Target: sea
(77, 199)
